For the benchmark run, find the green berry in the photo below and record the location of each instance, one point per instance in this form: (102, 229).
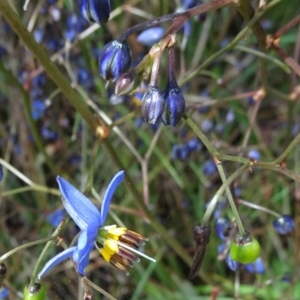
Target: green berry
(34, 292)
(244, 248)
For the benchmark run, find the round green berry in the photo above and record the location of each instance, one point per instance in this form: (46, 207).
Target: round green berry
(34, 292)
(244, 248)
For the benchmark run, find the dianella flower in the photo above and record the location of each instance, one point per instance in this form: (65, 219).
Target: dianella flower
(119, 245)
(95, 10)
(114, 60)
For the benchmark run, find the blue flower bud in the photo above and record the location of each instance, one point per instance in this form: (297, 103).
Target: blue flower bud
(152, 104)
(254, 154)
(209, 168)
(95, 10)
(180, 151)
(256, 267)
(195, 144)
(114, 60)
(284, 225)
(222, 227)
(150, 36)
(174, 105)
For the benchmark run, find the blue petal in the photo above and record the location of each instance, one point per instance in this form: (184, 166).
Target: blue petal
(55, 261)
(108, 195)
(84, 260)
(84, 247)
(83, 212)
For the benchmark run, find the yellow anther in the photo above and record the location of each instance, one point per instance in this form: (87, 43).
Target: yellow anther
(111, 246)
(116, 232)
(105, 254)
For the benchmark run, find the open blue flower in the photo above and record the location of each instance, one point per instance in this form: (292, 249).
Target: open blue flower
(87, 217)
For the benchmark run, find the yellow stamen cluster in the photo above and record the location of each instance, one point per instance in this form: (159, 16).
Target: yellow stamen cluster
(120, 246)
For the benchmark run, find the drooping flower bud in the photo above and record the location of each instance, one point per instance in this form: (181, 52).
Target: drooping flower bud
(152, 104)
(125, 84)
(114, 60)
(174, 100)
(174, 105)
(95, 10)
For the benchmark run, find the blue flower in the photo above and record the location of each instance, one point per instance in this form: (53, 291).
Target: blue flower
(87, 217)
(119, 244)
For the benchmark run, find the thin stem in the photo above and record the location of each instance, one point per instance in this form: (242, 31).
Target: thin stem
(247, 11)
(230, 46)
(289, 60)
(197, 10)
(85, 281)
(201, 135)
(22, 247)
(177, 18)
(258, 99)
(265, 56)
(286, 27)
(155, 67)
(212, 204)
(230, 198)
(258, 207)
(171, 73)
(147, 24)
(16, 172)
(25, 5)
(33, 187)
(286, 152)
(39, 260)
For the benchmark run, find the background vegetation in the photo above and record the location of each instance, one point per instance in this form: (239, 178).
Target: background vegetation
(241, 106)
